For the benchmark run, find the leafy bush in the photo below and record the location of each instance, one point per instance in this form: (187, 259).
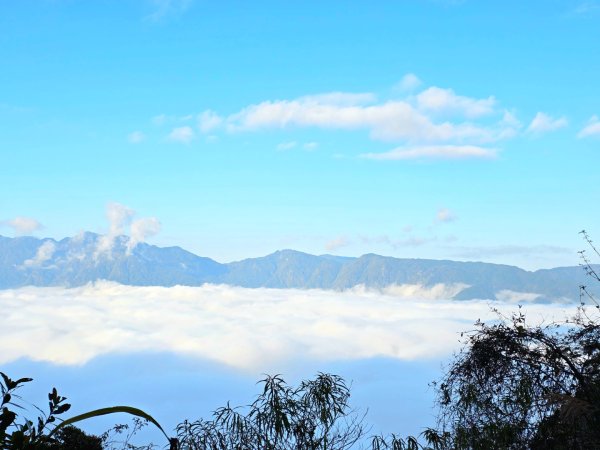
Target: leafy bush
(18, 433)
(515, 385)
(314, 415)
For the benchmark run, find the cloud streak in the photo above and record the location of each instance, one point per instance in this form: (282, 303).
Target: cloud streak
(543, 123)
(591, 129)
(249, 329)
(434, 152)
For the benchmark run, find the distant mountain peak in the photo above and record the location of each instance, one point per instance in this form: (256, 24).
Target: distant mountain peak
(88, 257)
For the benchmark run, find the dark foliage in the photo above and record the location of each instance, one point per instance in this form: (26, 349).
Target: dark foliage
(72, 438)
(314, 415)
(52, 433)
(16, 434)
(521, 386)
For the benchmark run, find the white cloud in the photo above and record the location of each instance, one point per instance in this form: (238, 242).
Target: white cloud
(250, 329)
(22, 225)
(183, 135)
(287, 145)
(119, 216)
(208, 121)
(509, 119)
(435, 152)
(121, 220)
(591, 129)
(408, 83)
(310, 146)
(445, 101)
(543, 123)
(136, 137)
(509, 296)
(142, 229)
(439, 291)
(509, 126)
(436, 122)
(445, 215)
(337, 243)
(390, 120)
(43, 254)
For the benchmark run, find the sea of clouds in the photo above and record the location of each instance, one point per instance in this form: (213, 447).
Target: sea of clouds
(245, 329)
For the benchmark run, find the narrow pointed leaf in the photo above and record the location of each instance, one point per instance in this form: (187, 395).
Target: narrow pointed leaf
(110, 410)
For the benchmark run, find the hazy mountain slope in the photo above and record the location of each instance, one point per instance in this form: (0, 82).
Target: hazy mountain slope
(90, 257)
(77, 261)
(284, 269)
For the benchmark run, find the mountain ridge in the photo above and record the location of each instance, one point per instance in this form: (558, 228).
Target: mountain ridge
(89, 257)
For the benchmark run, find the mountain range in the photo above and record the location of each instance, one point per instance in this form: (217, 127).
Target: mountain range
(88, 257)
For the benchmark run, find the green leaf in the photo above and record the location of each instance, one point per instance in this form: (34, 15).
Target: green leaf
(110, 410)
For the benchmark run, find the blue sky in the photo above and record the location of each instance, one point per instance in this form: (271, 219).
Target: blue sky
(436, 129)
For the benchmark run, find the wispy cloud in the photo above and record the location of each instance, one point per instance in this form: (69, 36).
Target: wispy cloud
(289, 145)
(43, 254)
(121, 220)
(160, 119)
(434, 152)
(408, 83)
(543, 123)
(22, 225)
(182, 135)
(208, 121)
(445, 215)
(136, 137)
(286, 145)
(142, 229)
(337, 243)
(445, 101)
(237, 326)
(591, 129)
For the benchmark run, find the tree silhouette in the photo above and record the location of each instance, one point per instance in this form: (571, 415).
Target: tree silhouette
(517, 385)
(314, 415)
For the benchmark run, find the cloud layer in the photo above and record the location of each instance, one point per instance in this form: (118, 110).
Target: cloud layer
(248, 329)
